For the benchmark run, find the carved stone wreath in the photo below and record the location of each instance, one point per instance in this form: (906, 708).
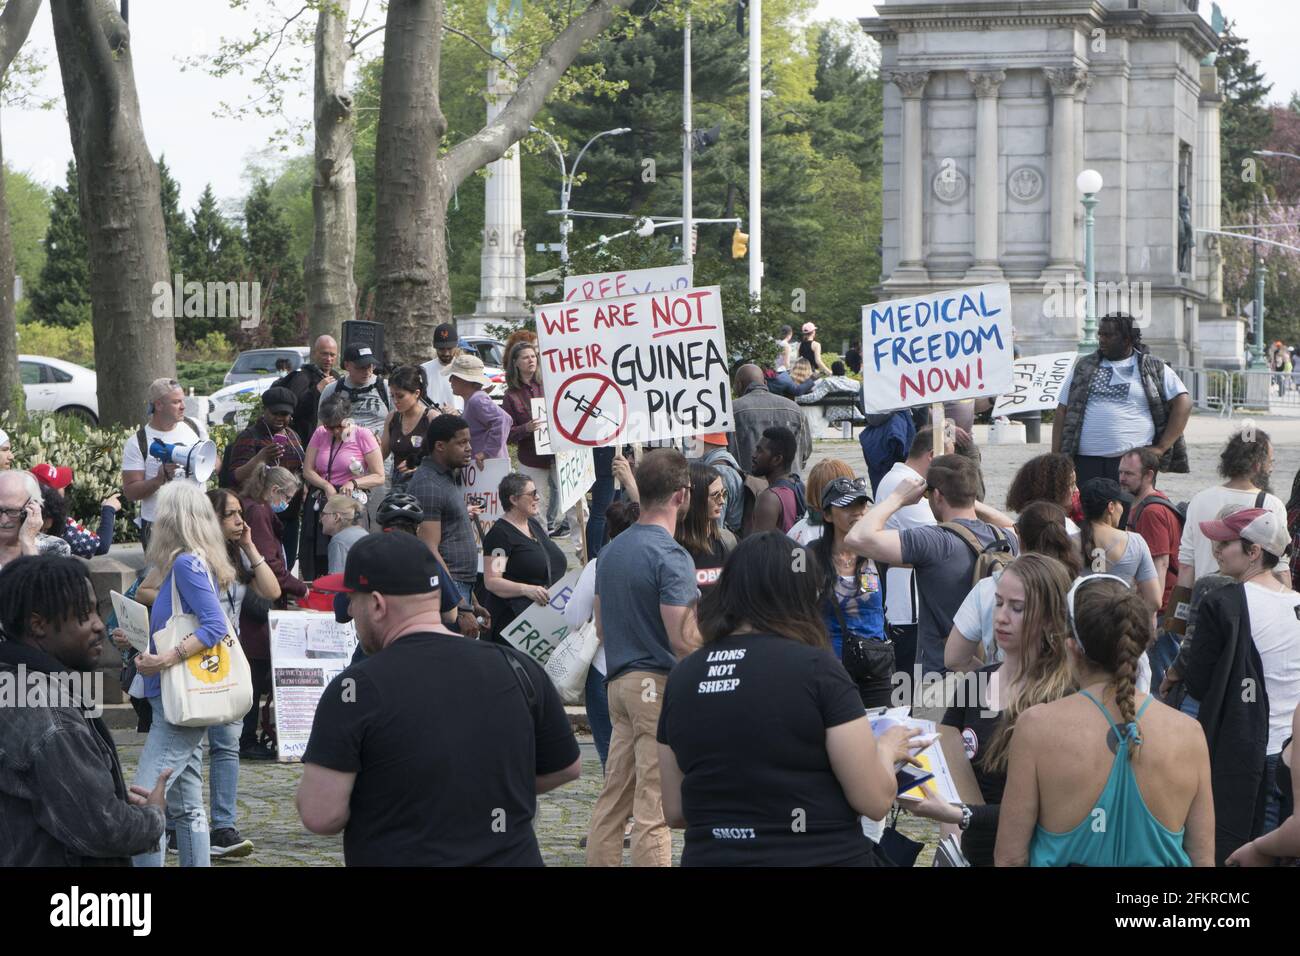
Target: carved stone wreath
(949, 185)
(1025, 184)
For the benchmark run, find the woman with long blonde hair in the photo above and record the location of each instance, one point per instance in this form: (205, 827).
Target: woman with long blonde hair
(188, 549)
(1031, 627)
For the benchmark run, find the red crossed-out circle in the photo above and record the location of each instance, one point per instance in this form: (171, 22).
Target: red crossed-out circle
(574, 434)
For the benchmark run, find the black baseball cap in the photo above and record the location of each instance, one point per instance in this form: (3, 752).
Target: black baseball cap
(444, 336)
(360, 354)
(1096, 493)
(843, 492)
(279, 399)
(393, 564)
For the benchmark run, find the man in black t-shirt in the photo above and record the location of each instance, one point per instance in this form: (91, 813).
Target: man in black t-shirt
(403, 795)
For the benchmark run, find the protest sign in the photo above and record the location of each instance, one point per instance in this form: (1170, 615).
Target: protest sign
(937, 348)
(541, 437)
(539, 630)
(635, 369)
(481, 484)
(613, 285)
(576, 473)
(308, 650)
(1036, 383)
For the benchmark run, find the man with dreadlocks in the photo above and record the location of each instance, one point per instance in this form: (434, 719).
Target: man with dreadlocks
(1117, 398)
(63, 801)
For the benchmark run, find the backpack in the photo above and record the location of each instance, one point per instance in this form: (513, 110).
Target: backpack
(989, 558)
(143, 439)
(378, 385)
(800, 503)
(1179, 510)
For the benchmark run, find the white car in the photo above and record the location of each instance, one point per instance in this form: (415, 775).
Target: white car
(226, 407)
(53, 385)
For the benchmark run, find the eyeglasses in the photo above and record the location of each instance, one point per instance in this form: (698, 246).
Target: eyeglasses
(719, 495)
(13, 514)
(534, 494)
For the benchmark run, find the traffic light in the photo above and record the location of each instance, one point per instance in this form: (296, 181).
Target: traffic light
(739, 244)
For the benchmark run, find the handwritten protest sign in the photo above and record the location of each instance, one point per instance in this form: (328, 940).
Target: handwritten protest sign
(576, 472)
(539, 630)
(937, 348)
(541, 437)
(481, 484)
(1036, 383)
(635, 369)
(613, 285)
(308, 650)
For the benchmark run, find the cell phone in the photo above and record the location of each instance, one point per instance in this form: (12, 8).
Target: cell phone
(281, 440)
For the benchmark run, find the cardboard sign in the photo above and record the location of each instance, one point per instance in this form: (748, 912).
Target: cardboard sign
(937, 348)
(539, 630)
(613, 285)
(480, 485)
(308, 650)
(635, 369)
(576, 473)
(541, 437)
(1036, 383)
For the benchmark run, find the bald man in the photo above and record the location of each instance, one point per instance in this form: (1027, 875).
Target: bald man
(757, 409)
(309, 381)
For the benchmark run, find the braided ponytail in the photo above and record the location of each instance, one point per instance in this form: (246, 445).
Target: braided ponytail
(1114, 626)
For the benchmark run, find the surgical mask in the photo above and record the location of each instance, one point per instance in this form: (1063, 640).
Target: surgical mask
(282, 507)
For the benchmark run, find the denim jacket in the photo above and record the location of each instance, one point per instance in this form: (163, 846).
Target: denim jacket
(63, 801)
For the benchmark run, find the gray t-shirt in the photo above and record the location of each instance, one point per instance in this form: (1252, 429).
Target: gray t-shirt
(944, 564)
(1134, 566)
(638, 571)
(369, 409)
(443, 500)
(339, 545)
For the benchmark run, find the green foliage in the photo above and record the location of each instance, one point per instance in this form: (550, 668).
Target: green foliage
(1245, 123)
(174, 226)
(204, 377)
(62, 293)
(267, 242)
(28, 203)
(75, 343)
(213, 347)
(214, 252)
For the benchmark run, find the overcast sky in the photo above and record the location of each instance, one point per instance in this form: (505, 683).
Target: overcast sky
(201, 148)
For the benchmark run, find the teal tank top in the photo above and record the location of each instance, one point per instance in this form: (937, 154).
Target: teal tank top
(1124, 833)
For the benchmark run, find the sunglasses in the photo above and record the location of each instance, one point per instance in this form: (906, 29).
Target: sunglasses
(719, 495)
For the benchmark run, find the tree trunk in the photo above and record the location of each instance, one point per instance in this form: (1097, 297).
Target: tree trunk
(331, 287)
(413, 293)
(15, 24)
(121, 207)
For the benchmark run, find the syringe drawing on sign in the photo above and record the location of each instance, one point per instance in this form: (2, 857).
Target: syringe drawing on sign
(586, 407)
(589, 409)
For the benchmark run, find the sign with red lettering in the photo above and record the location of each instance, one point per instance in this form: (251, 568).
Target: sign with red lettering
(937, 348)
(635, 369)
(613, 285)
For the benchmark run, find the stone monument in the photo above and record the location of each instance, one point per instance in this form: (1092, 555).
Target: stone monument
(991, 111)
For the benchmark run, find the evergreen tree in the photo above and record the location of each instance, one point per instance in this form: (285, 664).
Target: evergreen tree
(267, 240)
(214, 253)
(173, 216)
(1246, 123)
(62, 295)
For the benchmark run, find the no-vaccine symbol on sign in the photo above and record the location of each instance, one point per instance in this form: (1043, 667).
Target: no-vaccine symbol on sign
(589, 409)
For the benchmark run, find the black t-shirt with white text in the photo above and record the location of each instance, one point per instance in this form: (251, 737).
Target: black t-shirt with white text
(446, 752)
(746, 718)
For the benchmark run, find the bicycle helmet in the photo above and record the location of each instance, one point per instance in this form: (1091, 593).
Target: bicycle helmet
(399, 506)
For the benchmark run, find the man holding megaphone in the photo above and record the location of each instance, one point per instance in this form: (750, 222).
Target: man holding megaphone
(163, 449)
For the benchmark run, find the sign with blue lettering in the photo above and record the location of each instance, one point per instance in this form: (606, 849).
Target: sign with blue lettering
(937, 348)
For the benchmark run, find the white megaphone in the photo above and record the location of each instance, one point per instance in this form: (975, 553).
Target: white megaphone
(197, 461)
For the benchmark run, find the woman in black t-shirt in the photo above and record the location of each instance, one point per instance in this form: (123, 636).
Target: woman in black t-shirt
(700, 530)
(766, 757)
(520, 563)
(408, 422)
(1029, 624)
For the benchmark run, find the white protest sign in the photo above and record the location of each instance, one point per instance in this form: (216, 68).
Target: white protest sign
(133, 619)
(480, 485)
(1036, 383)
(539, 630)
(308, 650)
(576, 471)
(541, 437)
(613, 285)
(937, 348)
(636, 369)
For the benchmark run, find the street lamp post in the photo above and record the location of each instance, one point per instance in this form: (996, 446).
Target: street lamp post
(1089, 183)
(567, 177)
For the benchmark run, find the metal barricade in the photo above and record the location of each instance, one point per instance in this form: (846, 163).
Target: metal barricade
(1211, 389)
(1263, 391)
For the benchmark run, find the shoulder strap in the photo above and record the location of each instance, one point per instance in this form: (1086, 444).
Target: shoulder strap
(143, 439)
(1104, 712)
(1259, 499)
(383, 392)
(525, 683)
(965, 533)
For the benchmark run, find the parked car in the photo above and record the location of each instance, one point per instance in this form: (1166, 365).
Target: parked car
(492, 353)
(226, 407)
(53, 385)
(258, 363)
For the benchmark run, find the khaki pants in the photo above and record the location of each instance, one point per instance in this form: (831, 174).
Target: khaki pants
(632, 777)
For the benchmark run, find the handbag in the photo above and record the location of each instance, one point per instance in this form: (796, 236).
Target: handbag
(568, 664)
(210, 688)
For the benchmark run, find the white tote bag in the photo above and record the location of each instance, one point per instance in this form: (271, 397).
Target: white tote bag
(568, 663)
(210, 688)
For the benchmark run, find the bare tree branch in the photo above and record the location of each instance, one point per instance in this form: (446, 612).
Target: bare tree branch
(491, 142)
(15, 23)
(369, 33)
(466, 36)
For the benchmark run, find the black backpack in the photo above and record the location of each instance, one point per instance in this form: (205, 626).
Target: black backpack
(1179, 510)
(377, 384)
(800, 502)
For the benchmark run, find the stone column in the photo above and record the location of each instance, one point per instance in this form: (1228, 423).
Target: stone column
(1064, 82)
(912, 85)
(987, 185)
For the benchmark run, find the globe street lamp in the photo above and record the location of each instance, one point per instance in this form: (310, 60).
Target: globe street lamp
(567, 176)
(1089, 183)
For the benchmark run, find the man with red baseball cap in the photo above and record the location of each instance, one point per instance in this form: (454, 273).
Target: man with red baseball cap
(431, 751)
(54, 481)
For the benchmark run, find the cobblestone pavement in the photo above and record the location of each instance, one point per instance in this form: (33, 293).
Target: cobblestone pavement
(268, 817)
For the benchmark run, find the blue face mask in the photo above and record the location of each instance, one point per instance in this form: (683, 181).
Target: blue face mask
(281, 507)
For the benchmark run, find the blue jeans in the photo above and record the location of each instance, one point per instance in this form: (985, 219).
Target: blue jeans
(1273, 796)
(181, 749)
(223, 752)
(602, 494)
(598, 712)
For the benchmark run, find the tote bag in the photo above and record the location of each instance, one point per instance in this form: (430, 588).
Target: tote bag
(210, 688)
(567, 666)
